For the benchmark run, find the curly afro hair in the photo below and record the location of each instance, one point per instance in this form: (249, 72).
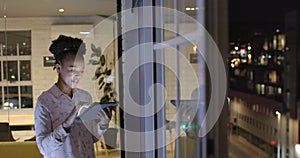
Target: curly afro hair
(66, 45)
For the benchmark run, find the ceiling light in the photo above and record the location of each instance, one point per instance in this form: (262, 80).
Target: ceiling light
(84, 32)
(187, 8)
(61, 10)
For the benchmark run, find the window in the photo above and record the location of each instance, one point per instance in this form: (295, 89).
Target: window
(273, 76)
(10, 71)
(15, 70)
(16, 43)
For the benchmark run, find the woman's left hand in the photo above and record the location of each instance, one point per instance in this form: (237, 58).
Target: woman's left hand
(104, 116)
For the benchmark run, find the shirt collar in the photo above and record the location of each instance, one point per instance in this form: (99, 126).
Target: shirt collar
(57, 92)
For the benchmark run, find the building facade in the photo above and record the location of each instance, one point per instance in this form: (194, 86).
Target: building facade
(263, 90)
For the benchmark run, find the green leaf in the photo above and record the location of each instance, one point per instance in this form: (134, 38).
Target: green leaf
(107, 89)
(104, 99)
(108, 72)
(102, 84)
(102, 60)
(93, 47)
(96, 76)
(96, 51)
(93, 54)
(93, 62)
(111, 95)
(98, 70)
(100, 81)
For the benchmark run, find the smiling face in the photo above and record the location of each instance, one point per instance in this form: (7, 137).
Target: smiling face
(70, 71)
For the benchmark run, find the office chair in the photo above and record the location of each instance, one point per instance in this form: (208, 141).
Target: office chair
(5, 132)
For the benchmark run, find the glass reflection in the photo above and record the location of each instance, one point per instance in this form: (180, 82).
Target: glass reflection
(25, 74)
(26, 97)
(10, 70)
(11, 97)
(15, 43)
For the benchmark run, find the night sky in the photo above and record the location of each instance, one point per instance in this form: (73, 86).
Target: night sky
(247, 16)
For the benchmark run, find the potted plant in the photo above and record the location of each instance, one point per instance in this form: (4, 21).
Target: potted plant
(105, 83)
(102, 75)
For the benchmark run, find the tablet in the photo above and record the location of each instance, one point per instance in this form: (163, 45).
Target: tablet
(90, 112)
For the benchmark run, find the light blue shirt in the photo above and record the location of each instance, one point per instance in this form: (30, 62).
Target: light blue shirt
(52, 109)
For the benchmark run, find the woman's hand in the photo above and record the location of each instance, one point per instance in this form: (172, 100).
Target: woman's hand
(70, 119)
(104, 116)
(108, 112)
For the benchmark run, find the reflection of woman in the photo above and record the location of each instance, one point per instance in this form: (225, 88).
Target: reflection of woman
(58, 132)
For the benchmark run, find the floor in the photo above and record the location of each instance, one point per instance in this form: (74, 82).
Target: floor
(115, 153)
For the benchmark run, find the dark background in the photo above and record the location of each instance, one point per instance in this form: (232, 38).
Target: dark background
(265, 16)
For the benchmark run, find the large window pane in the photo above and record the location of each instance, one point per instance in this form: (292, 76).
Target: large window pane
(15, 43)
(10, 70)
(24, 42)
(11, 97)
(26, 97)
(25, 73)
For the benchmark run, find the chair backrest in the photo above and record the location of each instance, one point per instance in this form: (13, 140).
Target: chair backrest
(5, 133)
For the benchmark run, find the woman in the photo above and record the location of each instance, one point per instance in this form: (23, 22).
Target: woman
(58, 131)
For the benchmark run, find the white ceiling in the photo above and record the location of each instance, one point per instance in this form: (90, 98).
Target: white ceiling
(46, 8)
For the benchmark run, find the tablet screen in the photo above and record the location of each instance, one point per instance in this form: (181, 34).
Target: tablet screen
(90, 112)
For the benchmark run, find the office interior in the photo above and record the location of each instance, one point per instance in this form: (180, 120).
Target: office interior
(152, 65)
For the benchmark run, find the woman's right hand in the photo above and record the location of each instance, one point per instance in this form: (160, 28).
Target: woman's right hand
(70, 119)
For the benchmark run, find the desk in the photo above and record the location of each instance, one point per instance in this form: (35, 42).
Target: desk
(23, 127)
(19, 149)
(18, 120)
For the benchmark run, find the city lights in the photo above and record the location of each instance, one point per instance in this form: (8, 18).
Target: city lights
(297, 150)
(191, 8)
(249, 47)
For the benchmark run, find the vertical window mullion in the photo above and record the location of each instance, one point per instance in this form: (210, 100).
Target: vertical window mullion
(2, 87)
(18, 48)
(19, 81)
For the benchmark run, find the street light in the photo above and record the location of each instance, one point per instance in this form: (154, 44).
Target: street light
(297, 149)
(278, 133)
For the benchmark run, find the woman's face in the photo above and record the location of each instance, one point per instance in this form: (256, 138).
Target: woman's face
(71, 70)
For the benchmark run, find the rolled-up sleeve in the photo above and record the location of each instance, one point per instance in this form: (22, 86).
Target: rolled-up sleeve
(47, 139)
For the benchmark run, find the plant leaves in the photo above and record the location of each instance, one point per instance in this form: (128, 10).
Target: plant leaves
(102, 60)
(107, 89)
(104, 99)
(93, 47)
(93, 54)
(96, 76)
(96, 51)
(108, 72)
(93, 62)
(101, 80)
(102, 84)
(98, 70)
(111, 94)
(102, 71)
